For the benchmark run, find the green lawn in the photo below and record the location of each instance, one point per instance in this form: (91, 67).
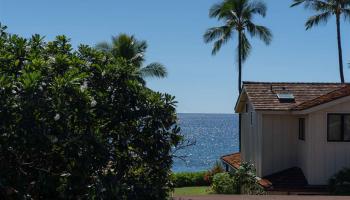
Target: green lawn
(192, 191)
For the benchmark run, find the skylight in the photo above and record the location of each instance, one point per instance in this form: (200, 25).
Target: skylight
(286, 97)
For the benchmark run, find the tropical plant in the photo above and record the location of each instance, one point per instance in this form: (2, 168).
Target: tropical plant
(237, 16)
(325, 9)
(133, 51)
(246, 181)
(78, 124)
(240, 181)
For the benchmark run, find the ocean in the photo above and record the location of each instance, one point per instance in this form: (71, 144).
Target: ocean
(215, 135)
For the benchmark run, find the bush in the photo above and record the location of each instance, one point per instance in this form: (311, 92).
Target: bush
(339, 184)
(217, 168)
(79, 124)
(223, 183)
(246, 181)
(186, 179)
(241, 181)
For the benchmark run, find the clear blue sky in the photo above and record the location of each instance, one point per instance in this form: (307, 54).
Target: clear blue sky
(201, 83)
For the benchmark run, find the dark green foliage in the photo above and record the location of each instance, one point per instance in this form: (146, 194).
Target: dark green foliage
(186, 179)
(241, 181)
(217, 168)
(339, 184)
(246, 181)
(133, 51)
(223, 183)
(79, 124)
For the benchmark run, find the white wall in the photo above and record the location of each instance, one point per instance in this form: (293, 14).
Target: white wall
(280, 135)
(271, 143)
(251, 138)
(324, 158)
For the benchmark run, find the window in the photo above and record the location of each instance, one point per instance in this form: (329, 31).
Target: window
(246, 108)
(251, 118)
(338, 127)
(301, 129)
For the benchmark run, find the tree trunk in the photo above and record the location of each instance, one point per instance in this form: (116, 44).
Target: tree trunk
(240, 61)
(340, 53)
(239, 87)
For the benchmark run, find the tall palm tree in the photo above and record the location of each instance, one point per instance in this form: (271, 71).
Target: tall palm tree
(237, 16)
(133, 50)
(325, 9)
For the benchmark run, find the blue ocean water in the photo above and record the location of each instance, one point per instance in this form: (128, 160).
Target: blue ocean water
(215, 135)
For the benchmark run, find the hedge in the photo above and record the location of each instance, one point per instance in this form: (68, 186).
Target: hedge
(187, 179)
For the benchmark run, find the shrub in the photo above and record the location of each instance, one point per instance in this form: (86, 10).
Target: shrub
(246, 181)
(217, 168)
(223, 183)
(241, 181)
(339, 184)
(186, 179)
(79, 124)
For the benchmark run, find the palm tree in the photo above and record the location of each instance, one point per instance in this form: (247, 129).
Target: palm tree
(325, 9)
(237, 16)
(133, 51)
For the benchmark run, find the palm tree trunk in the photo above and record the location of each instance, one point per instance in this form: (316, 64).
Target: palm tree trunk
(340, 53)
(240, 61)
(239, 86)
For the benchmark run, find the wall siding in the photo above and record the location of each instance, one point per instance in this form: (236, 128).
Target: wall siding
(325, 158)
(279, 141)
(251, 145)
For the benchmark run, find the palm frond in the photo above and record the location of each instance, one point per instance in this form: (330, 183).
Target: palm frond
(317, 5)
(104, 46)
(297, 2)
(246, 47)
(317, 19)
(346, 13)
(258, 7)
(154, 70)
(214, 33)
(261, 31)
(223, 40)
(215, 10)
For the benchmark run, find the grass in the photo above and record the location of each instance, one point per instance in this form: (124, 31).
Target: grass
(192, 191)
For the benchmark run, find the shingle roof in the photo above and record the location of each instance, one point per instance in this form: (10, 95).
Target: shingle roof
(263, 95)
(334, 95)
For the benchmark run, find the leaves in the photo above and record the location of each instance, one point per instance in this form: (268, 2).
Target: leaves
(324, 10)
(237, 16)
(133, 51)
(317, 19)
(79, 124)
(154, 70)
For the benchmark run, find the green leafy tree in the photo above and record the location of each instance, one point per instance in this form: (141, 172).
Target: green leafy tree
(78, 124)
(133, 50)
(237, 16)
(325, 9)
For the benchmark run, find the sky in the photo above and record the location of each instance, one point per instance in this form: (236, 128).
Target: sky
(201, 83)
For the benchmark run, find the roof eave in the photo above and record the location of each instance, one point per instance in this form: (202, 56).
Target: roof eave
(322, 106)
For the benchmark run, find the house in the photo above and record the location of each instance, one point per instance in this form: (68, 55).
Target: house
(303, 126)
